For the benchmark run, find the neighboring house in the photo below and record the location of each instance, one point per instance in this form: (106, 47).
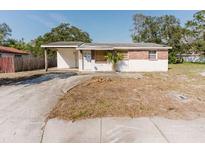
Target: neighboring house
(194, 57)
(12, 52)
(9, 57)
(138, 57)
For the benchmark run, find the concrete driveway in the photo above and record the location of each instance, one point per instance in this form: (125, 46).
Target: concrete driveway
(24, 105)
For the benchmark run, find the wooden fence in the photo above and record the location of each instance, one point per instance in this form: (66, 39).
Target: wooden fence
(7, 65)
(10, 64)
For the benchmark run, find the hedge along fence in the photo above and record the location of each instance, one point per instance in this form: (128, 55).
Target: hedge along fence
(32, 63)
(17, 64)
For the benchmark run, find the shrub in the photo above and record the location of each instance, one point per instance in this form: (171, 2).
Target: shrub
(173, 59)
(114, 57)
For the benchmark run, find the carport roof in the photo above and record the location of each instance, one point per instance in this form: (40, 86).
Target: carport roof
(62, 44)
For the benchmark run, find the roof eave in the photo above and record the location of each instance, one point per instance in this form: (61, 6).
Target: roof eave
(142, 48)
(10, 52)
(59, 46)
(94, 48)
(126, 48)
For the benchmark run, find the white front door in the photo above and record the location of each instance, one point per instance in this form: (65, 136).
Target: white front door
(87, 60)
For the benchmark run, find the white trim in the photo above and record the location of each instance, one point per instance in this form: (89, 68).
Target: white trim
(144, 48)
(93, 48)
(125, 48)
(156, 55)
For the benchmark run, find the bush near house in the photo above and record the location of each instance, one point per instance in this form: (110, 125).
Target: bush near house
(173, 59)
(114, 57)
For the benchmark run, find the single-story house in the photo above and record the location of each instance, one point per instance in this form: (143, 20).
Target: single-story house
(8, 56)
(137, 57)
(12, 52)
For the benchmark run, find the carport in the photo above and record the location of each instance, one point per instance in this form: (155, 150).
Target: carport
(67, 55)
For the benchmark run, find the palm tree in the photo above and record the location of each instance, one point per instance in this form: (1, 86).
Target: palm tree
(114, 57)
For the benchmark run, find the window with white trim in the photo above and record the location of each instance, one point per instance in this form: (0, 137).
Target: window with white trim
(152, 55)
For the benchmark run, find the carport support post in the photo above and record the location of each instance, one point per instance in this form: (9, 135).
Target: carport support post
(46, 60)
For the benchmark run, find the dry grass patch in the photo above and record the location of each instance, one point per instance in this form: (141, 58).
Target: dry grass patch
(155, 94)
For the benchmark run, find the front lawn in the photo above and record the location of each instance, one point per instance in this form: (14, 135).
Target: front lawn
(179, 93)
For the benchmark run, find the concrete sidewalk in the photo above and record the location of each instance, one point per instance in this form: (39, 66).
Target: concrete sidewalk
(129, 130)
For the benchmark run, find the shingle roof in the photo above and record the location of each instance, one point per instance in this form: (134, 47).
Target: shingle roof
(106, 46)
(12, 50)
(112, 46)
(123, 45)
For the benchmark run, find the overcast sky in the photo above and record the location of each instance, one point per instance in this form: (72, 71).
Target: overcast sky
(103, 26)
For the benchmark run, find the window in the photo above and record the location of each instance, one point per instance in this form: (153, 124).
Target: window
(152, 55)
(100, 56)
(18, 56)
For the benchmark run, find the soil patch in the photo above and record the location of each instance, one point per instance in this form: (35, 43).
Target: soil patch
(105, 96)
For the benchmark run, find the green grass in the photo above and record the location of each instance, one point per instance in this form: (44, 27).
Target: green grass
(190, 70)
(187, 67)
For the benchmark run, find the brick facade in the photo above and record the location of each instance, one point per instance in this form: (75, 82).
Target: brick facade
(141, 55)
(162, 55)
(138, 54)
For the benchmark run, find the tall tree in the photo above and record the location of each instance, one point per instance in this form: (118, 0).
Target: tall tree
(5, 32)
(171, 32)
(63, 32)
(196, 31)
(146, 29)
(18, 44)
(197, 25)
(163, 29)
